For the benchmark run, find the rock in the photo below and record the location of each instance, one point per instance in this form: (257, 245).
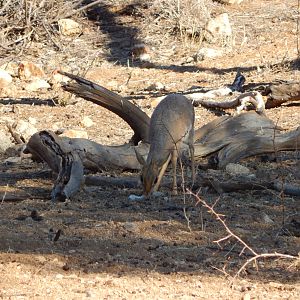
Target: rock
(37, 84)
(57, 78)
(16, 150)
(141, 52)
(41, 259)
(11, 68)
(13, 160)
(5, 79)
(32, 120)
(87, 122)
(131, 227)
(133, 197)
(266, 219)
(28, 70)
(190, 59)
(157, 86)
(6, 143)
(69, 27)
(230, 1)
(246, 296)
(204, 53)
(74, 133)
(218, 27)
(24, 128)
(237, 169)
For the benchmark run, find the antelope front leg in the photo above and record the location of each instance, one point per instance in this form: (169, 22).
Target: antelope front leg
(161, 174)
(174, 167)
(192, 154)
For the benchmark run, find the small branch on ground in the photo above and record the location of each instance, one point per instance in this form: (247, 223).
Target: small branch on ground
(231, 234)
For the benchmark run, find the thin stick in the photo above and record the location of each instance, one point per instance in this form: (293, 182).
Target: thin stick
(83, 8)
(3, 197)
(254, 259)
(256, 255)
(50, 36)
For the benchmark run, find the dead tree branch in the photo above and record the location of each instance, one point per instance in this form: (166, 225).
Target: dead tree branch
(229, 138)
(130, 113)
(231, 234)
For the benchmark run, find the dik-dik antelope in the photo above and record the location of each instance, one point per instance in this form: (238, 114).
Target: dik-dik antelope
(171, 131)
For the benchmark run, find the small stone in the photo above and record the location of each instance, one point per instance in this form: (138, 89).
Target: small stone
(6, 143)
(190, 59)
(13, 160)
(28, 70)
(32, 120)
(205, 53)
(218, 27)
(59, 276)
(66, 267)
(11, 68)
(74, 133)
(275, 284)
(131, 227)
(132, 197)
(267, 219)
(246, 296)
(24, 129)
(89, 294)
(87, 122)
(157, 86)
(237, 169)
(57, 78)
(69, 27)
(37, 84)
(5, 79)
(231, 1)
(141, 52)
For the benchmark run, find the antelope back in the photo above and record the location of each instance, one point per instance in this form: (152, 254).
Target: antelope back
(171, 124)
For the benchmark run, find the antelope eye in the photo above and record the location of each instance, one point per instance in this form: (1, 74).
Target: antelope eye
(141, 178)
(155, 180)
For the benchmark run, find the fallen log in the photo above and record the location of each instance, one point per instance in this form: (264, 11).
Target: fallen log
(229, 138)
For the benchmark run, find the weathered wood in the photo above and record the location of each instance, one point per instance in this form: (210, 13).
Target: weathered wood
(130, 113)
(274, 95)
(230, 138)
(243, 136)
(238, 183)
(62, 159)
(282, 93)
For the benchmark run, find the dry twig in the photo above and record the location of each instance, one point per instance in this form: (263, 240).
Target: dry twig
(231, 234)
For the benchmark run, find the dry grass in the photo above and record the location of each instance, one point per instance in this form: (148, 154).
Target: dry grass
(184, 17)
(23, 21)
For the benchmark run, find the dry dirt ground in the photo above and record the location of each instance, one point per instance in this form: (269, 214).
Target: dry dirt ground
(112, 248)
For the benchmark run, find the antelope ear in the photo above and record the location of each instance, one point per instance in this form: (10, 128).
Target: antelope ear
(139, 157)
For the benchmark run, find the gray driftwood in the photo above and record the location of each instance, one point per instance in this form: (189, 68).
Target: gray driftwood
(273, 95)
(229, 139)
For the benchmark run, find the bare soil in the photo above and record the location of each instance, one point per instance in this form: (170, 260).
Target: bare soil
(100, 244)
